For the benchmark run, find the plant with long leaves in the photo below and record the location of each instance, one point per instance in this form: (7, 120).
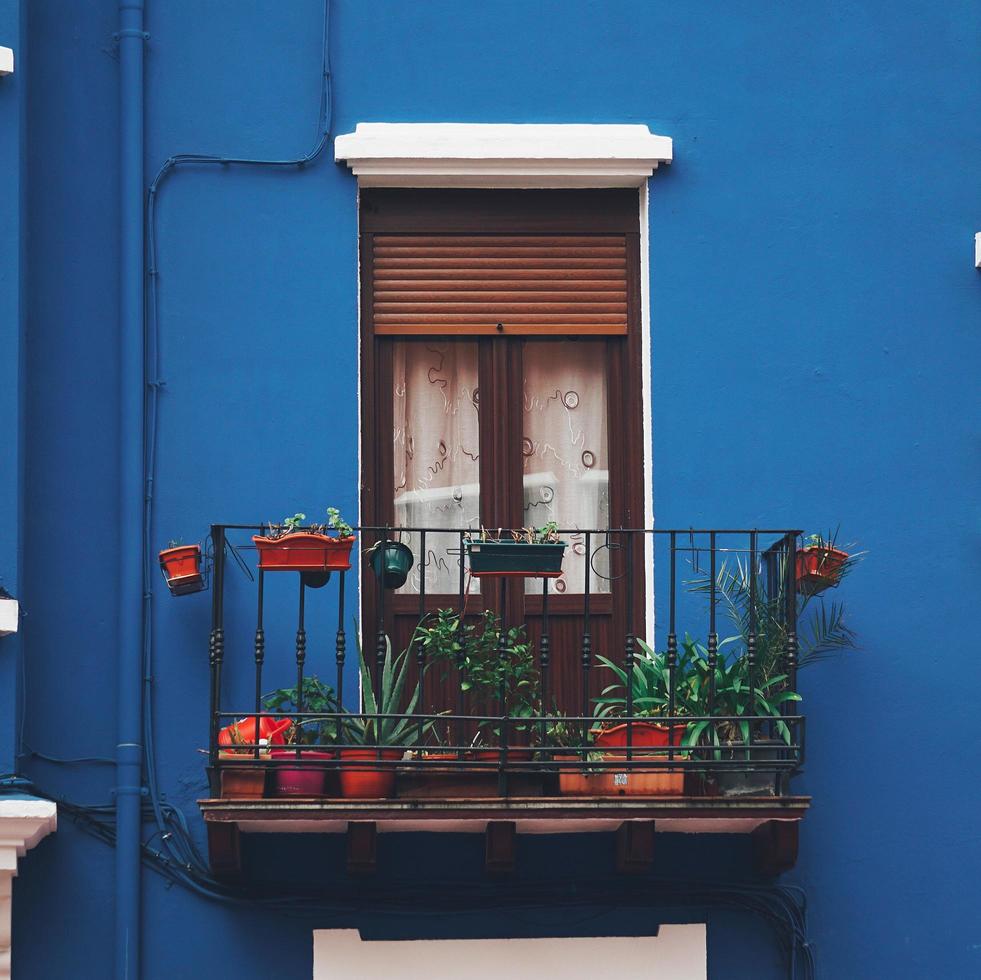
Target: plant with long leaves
(821, 629)
(650, 684)
(731, 697)
(398, 728)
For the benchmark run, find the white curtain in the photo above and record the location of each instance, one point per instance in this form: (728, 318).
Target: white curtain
(436, 452)
(565, 452)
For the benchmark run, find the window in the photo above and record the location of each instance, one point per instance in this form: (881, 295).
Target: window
(501, 388)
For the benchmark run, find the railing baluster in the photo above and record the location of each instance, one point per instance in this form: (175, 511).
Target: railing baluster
(340, 655)
(587, 643)
(751, 639)
(628, 659)
(380, 643)
(544, 656)
(672, 646)
(216, 649)
(301, 656)
(502, 706)
(260, 654)
(790, 707)
(458, 723)
(421, 649)
(713, 637)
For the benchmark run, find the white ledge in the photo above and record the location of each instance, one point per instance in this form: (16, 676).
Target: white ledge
(502, 154)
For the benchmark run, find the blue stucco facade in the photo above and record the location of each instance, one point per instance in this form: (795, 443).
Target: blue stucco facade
(815, 349)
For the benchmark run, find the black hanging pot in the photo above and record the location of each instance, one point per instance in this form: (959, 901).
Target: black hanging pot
(392, 564)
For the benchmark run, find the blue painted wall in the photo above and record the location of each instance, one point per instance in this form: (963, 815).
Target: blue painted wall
(815, 344)
(12, 265)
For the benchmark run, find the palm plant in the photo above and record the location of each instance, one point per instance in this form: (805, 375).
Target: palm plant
(821, 630)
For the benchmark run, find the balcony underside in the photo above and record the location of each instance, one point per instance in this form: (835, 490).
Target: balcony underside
(771, 821)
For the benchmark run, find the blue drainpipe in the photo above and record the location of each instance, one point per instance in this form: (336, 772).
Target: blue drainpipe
(129, 750)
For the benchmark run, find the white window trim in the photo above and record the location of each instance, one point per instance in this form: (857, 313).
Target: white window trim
(522, 155)
(678, 951)
(501, 154)
(23, 823)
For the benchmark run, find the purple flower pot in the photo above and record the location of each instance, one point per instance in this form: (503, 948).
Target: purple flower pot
(301, 780)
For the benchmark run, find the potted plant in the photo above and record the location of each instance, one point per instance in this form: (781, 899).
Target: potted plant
(181, 567)
(288, 547)
(392, 563)
(304, 779)
(528, 553)
(237, 742)
(651, 698)
(486, 676)
(819, 564)
(564, 744)
(382, 733)
(729, 741)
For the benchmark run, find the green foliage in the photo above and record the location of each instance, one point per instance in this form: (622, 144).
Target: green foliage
(293, 523)
(318, 698)
(485, 672)
(175, 543)
(821, 628)
(394, 731)
(337, 523)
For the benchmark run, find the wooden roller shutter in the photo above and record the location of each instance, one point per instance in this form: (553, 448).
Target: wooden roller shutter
(427, 284)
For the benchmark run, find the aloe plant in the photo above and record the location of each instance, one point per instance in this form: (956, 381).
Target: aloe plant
(391, 731)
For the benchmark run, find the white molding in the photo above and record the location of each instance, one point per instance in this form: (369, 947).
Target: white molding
(678, 951)
(9, 616)
(502, 154)
(23, 823)
(6, 61)
(977, 250)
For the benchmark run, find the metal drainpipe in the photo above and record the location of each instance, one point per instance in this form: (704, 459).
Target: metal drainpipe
(129, 749)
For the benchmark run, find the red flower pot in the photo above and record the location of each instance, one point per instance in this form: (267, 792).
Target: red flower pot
(182, 568)
(362, 779)
(300, 780)
(494, 755)
(243, 731)
(644, 734)
(304, 552)
(819, 568)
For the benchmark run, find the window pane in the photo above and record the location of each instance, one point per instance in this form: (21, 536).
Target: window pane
(566, 466)
(436, 453)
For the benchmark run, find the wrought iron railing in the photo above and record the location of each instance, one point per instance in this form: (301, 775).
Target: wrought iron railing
(750, 726)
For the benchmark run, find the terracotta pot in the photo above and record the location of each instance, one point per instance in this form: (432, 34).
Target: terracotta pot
(512, 754)
(243, 782)
(361, 779)
(819, 568)
(645, 734)
(300, 780)
(271, 731)
(656, 781)
(574, 782)
(182, 568)
(302, 551)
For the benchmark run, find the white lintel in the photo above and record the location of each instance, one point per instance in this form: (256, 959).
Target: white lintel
(24, 821)
(502, 154)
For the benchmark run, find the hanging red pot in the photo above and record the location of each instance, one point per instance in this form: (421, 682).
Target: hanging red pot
(181, 567)
(303, 551)
(819, 567)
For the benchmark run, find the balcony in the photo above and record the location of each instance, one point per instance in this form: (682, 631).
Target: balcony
(511, 707)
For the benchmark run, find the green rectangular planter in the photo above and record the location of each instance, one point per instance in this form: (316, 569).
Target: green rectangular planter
(515, 558)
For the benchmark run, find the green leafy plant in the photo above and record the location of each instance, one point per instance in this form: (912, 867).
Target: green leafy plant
(390, 731)
(175, 543)
(318, 698)
(650, 683)
(730, 697)
(546, 534)
(337, 523)
(821, 628)
(485, 673)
